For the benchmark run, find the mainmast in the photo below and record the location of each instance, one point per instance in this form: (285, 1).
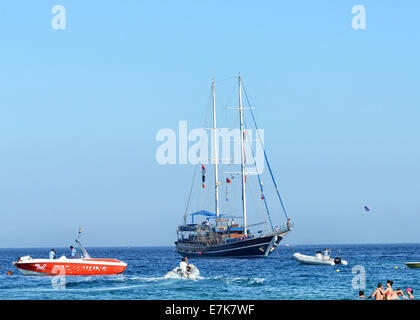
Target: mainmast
(216, 156)
(241, 117)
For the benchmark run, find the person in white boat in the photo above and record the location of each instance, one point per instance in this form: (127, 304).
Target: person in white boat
(184, 266)
(326, 252)
(52, 254)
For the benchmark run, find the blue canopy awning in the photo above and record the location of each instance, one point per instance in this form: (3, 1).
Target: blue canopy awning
(203, 213)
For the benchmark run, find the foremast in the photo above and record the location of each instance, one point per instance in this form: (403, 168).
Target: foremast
(241, 119)
(215, 153)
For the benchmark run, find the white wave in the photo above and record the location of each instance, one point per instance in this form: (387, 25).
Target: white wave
(240, 279)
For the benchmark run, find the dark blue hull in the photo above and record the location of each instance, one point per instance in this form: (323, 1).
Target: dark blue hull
(254, 247)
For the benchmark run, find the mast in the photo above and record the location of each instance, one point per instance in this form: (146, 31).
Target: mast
(216, 156)
(241, 117)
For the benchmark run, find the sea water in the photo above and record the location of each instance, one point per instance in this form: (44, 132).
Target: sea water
(275, 277)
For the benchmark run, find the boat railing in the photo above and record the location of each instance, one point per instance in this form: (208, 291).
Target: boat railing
(284, 228)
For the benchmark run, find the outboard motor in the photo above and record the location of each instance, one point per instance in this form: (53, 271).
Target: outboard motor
(337, 260)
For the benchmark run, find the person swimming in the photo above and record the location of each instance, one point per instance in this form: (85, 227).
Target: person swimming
(399, 293)
(389, 292)
(378, 293)
(409, 293)
(362, 295)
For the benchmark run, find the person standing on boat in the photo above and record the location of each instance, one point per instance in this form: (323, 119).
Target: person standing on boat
(52, 254)
(73, 253)
(183, 266)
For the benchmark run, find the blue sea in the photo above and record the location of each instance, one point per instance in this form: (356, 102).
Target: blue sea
(275, 277)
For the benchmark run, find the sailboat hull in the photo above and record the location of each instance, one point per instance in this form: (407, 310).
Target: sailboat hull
(254, 247)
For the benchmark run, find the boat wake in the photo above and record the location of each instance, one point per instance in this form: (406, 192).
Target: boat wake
(240, 280)
(192, 274)
(171, 275)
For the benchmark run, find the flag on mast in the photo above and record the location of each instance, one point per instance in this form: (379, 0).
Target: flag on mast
(203, 175)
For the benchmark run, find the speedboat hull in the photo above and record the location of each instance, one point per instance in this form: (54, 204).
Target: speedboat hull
(70, 267)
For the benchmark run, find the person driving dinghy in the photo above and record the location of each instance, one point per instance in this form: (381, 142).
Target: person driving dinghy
(184, 270)
(184, 267)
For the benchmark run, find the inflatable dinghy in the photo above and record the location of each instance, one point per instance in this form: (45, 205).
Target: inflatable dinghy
(318, 259)
(192, 273)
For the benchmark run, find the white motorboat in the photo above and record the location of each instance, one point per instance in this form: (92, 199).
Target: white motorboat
(319, 259)
(412, 264)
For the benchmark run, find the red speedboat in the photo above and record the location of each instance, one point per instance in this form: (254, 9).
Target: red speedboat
(85, 266)
(69, 267)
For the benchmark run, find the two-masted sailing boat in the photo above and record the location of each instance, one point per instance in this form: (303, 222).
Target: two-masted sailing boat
(217, 234)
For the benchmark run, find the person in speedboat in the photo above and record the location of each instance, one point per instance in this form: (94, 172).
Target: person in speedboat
(52, 254)
(73, 253)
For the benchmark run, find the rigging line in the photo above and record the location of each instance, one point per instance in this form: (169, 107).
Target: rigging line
(204, 122)
(189, 197)
(266, 158)
(257, 205)
(261, 186)
(226, 107)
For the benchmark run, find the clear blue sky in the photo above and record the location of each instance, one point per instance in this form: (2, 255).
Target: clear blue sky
(80, 109)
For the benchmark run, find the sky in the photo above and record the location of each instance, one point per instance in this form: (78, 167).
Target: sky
(80, 109)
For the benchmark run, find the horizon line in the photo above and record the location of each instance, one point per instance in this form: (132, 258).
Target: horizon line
(283, 245)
